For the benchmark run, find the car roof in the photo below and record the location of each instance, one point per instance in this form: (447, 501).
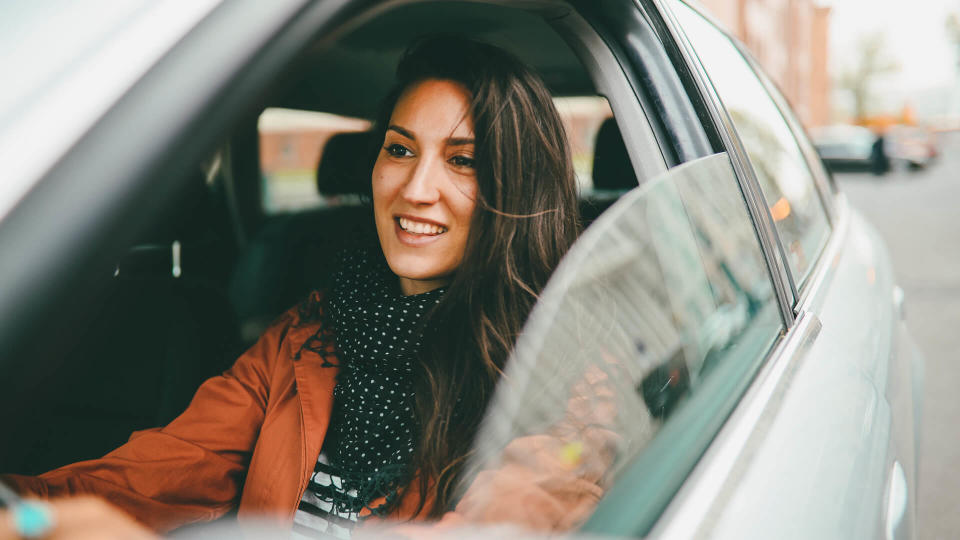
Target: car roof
(350, 75)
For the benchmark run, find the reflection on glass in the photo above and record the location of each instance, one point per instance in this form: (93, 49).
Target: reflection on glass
(654, 301)
(784, 177)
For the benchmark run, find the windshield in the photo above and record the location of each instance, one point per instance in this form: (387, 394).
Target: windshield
(42, 41)
(65, 64)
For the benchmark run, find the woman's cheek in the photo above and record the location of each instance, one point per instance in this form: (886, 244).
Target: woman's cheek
(468, 201)
(379, 188)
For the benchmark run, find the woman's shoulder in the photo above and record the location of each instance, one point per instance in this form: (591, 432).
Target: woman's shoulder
(310, 310)
(307, 312)
(304, 328)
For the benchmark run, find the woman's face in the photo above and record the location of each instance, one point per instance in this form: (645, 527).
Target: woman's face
(425, 184)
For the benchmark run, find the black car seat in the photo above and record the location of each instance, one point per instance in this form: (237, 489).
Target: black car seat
(613, 174)
(293, 254)
(162, 328)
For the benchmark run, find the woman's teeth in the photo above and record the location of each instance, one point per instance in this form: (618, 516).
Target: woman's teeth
(419, 227)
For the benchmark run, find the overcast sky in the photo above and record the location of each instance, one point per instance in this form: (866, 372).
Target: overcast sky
(916, 39)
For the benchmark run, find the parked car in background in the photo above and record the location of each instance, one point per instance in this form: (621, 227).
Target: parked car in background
(848, 148)
(914, 146)
(721, 354)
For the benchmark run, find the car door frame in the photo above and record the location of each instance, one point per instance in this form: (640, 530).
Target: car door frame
(719, 122)
(691, 504)
(691, 507)
(712, 124)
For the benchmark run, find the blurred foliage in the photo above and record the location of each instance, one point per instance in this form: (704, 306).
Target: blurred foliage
(953, 27)
(872, 61)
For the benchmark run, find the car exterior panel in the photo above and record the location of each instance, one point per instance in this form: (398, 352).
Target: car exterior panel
(821, 462)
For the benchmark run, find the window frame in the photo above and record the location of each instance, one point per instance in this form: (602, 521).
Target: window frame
(607, 69)
(719, 121)
(699, 111)
(799, 285)
(817, 171)
(703, 492)
(651, 68)
(821, 177)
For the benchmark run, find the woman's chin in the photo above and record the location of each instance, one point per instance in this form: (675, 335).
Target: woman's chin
(419, 274)
(419, 286)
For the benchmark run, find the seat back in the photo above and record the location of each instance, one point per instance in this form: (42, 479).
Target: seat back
(293, 254)
(613, 173)
(163, 326)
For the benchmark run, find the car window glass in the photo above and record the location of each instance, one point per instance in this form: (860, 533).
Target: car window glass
(645, 336)
(781, 169)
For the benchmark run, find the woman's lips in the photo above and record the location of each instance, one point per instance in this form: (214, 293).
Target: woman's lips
(416, 233)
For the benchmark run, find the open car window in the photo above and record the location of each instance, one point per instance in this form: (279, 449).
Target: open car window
(642, 342)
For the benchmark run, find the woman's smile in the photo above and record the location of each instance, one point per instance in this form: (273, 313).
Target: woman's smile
(414, 233)
(419, 226)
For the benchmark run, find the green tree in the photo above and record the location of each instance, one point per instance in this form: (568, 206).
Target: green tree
(871, 62)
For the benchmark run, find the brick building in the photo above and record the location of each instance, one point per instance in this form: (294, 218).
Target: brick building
(789, 38)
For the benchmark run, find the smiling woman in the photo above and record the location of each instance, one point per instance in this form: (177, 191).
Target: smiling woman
(474, 191)
(384, 377)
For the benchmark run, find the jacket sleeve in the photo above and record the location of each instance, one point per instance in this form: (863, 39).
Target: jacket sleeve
(191, 470)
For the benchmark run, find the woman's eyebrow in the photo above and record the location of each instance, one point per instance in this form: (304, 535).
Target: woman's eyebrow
(460, 141)
(452, 141)
(401, 131)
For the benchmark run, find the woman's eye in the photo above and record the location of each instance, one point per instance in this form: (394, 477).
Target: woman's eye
(397, 150)
(462, 161)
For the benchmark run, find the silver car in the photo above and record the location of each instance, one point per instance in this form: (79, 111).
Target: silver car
(721, 354)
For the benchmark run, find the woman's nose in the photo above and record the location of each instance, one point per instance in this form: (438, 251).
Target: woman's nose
(421, 187)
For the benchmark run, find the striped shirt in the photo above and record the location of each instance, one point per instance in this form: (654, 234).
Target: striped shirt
(318, 516)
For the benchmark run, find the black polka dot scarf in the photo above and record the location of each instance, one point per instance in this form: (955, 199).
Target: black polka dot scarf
(377, 331)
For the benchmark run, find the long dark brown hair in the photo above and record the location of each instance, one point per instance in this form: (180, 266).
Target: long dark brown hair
(525, 220)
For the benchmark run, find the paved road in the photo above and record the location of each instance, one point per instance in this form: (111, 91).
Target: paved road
(919, 215)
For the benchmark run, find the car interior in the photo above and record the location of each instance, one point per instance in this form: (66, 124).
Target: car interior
(250, 237)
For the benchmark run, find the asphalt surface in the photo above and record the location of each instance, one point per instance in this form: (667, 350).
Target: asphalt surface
(919, 215)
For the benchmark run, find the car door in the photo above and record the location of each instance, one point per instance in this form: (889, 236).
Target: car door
(838, 429)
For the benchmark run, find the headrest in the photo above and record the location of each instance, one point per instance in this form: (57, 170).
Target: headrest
(611, 164)
(345, 164)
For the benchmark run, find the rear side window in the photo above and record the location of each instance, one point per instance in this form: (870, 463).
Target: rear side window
(784, 176)
(291, 145)
(643, 341)
(583, 117)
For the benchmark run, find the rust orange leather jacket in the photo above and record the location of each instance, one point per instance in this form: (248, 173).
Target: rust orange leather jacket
(251, 437)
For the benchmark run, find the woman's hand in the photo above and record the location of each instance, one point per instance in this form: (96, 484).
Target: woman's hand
(83, 517)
